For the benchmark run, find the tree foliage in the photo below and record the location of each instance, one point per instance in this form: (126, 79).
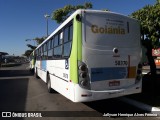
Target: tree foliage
(62, 14)
(31, 46)
(150, 32)
(150, 23)
(38, 41)
(27, 53)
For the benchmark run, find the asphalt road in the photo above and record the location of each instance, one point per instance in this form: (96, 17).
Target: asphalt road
(21, 92)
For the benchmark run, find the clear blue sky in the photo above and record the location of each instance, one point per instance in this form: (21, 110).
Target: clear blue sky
(24, 19)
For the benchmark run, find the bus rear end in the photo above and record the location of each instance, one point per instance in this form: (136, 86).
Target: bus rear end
(111, 56)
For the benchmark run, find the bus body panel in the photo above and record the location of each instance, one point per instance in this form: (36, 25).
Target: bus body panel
(60, 77)
(102, 33)
(58, 71)
(96, 37)
(83, 95)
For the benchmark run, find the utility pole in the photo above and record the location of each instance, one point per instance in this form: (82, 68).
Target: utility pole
(47, 16)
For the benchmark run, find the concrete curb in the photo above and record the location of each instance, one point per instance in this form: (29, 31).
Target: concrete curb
(141, 105)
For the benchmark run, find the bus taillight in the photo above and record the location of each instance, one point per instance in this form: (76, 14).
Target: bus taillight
(83, 75)
(83, 67)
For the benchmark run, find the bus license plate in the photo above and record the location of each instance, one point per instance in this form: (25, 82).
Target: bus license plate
(114, 83)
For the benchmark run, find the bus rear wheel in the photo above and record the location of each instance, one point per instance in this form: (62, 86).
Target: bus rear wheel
(50, 90)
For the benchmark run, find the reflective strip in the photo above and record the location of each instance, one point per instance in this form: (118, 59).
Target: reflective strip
(132, 72)
(109, 73)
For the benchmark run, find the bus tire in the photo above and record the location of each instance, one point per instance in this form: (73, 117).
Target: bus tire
(50, 90)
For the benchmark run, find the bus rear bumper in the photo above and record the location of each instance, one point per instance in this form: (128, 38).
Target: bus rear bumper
(82, 95)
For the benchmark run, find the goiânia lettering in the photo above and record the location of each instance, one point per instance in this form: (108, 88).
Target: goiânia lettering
(107, 30)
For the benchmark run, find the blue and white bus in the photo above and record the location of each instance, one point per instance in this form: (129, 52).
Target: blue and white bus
(92, 55)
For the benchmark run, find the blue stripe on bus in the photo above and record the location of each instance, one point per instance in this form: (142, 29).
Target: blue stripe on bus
(98, 74)
(43, 64)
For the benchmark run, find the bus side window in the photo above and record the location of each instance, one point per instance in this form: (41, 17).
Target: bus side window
(58, 51)
(71, 33)
(67, 49)
(57, 47)
(56, 41)
(68, 36)
(50, 49)
(41, 52)
(45, 52)
(61, 38)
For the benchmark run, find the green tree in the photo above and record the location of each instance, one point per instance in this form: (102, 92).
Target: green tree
(39, 40)
(62, 14)
(32, 47)
(150, 32)
(27, 53)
